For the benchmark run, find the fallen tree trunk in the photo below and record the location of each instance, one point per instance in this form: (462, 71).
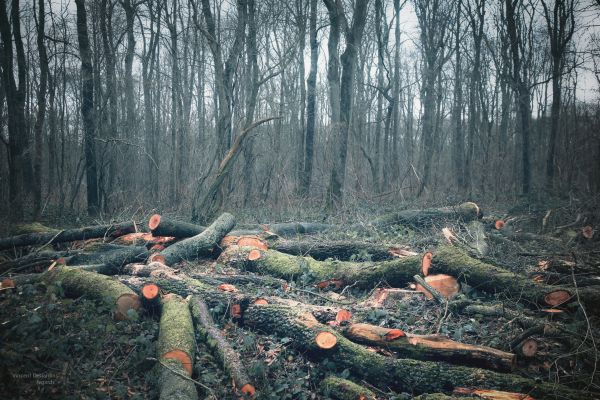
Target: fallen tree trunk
(342, 250)
(175, 349)
(447, 259)
(160, 225)
(42, 258)
(464, 212)
(220, 347)
(76, 282)
(337, 388)
(429, 347)
(201, 244)
(399, 374)
(69, 235)
(112, 261)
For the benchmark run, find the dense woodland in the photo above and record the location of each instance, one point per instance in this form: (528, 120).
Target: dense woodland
(105, 104)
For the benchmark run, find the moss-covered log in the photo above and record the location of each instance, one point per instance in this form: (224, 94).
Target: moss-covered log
(176, 347)
(464, 212)
(337, 388)
(220, 347)
(446, 259)
(341, 250)
(69, 235)
(112, 261)
(76, 282)
(201, 244)
(160, 225)
(399, 374)
(429, 347)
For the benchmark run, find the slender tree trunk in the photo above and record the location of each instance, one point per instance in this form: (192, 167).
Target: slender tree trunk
(87, 109)
(311, 84)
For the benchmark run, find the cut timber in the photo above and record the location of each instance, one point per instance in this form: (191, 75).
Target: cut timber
(220, 347)
(490, 394)
(142, 238)
(150, 296)
(386, 372)
(112, 261)
(447, 260)
(499, 225)
(426, 263)
(76, 282)
(291, 229)
(68, 235)
(383, 296)
(464, 212)
(176, 335)
(429, 291)
(201, 244)
(477, 239)
(337, 388)
(162, 226)
(430, 347)
(176, 349)
(341, 250)
(325, 340)
(343, 315)
(445, 285)
(557, 297)
(250, 241)
(527, 348)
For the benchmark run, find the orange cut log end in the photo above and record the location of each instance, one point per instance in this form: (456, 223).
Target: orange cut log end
(529, 347)
(394, 334)
(226, 287)
(426, 263)
(552, 311)
(7, 283)
(182, 357)
(154, 221)
(499, 224)
(446, 285)
(150, 291)
(260, 302)
(125, 303)
(236, 311)
(557, 297)
(156, 257)
(251, 241)
(587, 232)
(228, 241)
(326, 340)
(343, 315)
(254, 255)
(248, 390)
(157, 248)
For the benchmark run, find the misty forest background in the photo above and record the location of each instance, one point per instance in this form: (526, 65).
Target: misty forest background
(107, 106)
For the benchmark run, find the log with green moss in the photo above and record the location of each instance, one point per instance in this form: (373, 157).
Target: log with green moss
(112, 261)
(429, 347)
(176, 347)
(446, 259)
(201, 244)
(463, 212)
(341, 250)
(220, 347)
(337, 388)
(68, 235)
(407, 375)
(76, 282)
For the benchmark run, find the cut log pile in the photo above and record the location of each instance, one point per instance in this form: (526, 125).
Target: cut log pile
(268, 276)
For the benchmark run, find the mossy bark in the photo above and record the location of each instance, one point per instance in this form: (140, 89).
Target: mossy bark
(341, 250)
(68, 235)
(178, 229)
(219, 346)
(399, 374)
(463, 212)
(76, 282)
(201, 244)
(172, 384)
(112, 261)
(337, 388)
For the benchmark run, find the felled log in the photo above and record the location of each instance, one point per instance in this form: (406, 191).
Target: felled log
(429, 347)
(175, 349)
(220, 347)
(341, 250)
(201, 244)
(30, 261)
(398, 374)
(76, 282)
(464, 212)
(337, 388)
(160, 225)
(111, 261)
(69, 235)
(477, 238)
(489, 394)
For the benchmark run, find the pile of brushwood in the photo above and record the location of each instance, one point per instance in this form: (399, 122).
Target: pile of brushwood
(433, 304)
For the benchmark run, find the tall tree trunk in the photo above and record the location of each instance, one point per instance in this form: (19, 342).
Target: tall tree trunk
(459, 140)
(87, 109)
(41, 104)
(311, 84)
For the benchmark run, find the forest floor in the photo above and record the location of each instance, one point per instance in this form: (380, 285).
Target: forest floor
(71, 348)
